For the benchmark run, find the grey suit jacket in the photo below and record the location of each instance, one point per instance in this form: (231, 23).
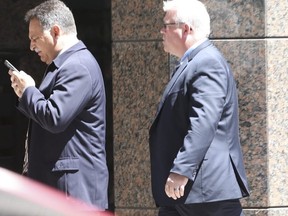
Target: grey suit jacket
(195, 132)
(67, 131)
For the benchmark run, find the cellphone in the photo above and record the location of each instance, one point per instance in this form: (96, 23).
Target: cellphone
(10, 66)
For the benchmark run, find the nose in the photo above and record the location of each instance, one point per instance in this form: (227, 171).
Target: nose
(32, 46)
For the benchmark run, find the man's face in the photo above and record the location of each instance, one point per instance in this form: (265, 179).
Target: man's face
(42, 42)
(171, 33)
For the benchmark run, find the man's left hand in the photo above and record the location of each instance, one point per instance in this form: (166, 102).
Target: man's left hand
(175, 185)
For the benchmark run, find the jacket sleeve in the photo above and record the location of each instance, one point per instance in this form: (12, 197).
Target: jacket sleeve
(69, 95)
(206, 92)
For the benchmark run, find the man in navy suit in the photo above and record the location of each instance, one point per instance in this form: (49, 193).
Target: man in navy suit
(67, 113)
(196, 160)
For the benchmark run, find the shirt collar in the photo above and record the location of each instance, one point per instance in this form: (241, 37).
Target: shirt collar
(187, 53)
(68, 47)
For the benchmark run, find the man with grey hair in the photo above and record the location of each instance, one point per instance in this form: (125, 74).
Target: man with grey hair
(66, 136)
(197, 166)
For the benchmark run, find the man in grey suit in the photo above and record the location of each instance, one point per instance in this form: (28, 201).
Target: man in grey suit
(67, 113)
(196, 160)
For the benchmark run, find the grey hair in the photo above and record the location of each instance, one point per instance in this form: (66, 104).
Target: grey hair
(192, 12)
(53, 12)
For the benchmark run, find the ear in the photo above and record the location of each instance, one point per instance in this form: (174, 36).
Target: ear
(187, 29)
(55, 31)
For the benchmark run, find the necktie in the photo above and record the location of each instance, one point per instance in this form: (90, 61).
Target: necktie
(25, 162)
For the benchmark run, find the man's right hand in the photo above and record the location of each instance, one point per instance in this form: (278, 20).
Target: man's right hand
(20, 81)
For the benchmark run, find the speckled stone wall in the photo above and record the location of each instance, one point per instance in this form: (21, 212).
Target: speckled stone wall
(252, 36)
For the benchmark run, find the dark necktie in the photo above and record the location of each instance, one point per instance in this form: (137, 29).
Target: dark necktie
(174, 71)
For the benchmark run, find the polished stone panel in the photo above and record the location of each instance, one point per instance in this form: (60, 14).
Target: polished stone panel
(139, 76)
(142, 20)
(136, 212)
(136, 20)
(276, 18)
(277, 110)
(237, 18)
(267, 212)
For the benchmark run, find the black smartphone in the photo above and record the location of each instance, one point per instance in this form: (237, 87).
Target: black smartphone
(10, 66)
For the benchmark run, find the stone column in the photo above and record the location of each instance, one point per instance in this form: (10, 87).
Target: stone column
(252, 36)
(276, 44)
(140, 72)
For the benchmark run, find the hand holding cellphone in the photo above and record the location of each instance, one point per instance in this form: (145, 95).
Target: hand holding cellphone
(10, 66)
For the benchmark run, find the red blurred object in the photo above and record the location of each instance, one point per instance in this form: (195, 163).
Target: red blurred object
(20, 196)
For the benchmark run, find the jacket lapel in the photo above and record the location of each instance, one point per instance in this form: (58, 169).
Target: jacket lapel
(179, 69)
(178, 72)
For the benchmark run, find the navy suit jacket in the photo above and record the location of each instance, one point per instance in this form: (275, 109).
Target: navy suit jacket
(195, 132)
(67, 127)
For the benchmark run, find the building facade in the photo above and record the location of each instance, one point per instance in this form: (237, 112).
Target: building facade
(125, 38)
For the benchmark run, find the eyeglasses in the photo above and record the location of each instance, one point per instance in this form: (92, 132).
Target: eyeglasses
(165, 25)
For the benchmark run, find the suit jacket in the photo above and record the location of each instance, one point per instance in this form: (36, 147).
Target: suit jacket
(67, 131)
(195, 132)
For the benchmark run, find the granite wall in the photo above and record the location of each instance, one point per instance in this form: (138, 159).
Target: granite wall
(252, 36)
